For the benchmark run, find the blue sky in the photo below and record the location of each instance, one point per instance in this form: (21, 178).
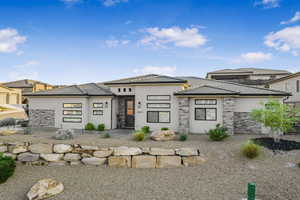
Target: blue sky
(78, 41)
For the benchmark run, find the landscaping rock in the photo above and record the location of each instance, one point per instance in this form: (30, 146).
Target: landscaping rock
(72, 157)
(44, 189)
(192, 161)
(52, 157)
(146, 150)
(163, 135)
(89, 148)
(143, 161)
(127, 151)
(58, 163)
(168, 161)
(41, 148)
(103, 153)
(13, 156)
(75, 163)
(162, 152)
(8, 132)
(62, 148)
(19, 149)
(64, 134)
(94, 161)
(119, 161)
(28, 157)
(3, 149)
(86, 155)
(187, 152)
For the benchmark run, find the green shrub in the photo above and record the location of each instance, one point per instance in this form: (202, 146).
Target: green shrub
(164, 129)
(218, 134)
(183, 137)
(251, 150)
(106, 135)
(89, 127)
(7, 167)
(139, 136)
(101, 127)
(146, 129)
(298, 164)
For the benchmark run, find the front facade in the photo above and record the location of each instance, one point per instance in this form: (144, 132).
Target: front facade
(10, 96)
(183, 104)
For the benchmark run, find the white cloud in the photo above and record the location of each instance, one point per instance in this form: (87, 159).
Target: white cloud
(268, 3)
(255, 57)
(109, 3)
(115, 43)
(9, 40)
(71, 1)
(27, 64)
(128, 22)
(286, 40)
(293, 19)
(24, 71)
(166, 70)
(189, 37)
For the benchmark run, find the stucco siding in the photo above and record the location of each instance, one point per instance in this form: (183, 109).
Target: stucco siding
(105, 118)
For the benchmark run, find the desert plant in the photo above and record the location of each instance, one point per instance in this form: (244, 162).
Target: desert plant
(218, 134)
(251, 150)
(183, 137)
(89, 127)
(7, 167)
(145, 129)
(106, 135)
(139, 136)
(164, 129)
(101, 127)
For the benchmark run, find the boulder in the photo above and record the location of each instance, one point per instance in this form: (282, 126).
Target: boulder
(168, 161)
(64, 134)
(72, 157)
(146, 161)
(3, 148)
(162, 152)
(58, 163)
(62, 148)
(163, 135)
(102, 153)
(52, 157)
(13, 156)
(146, 150)
(94, 161)
(41, 148)
(19, 149)
(45, 188)
(75, 163)
(119, 161)
(89, 148)
(28, 157)
(8, 132)
(127, 151)
(192, 161)
(187, 152)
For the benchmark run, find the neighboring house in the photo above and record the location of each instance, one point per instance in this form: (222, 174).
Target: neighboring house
(249, 76)
(10, 96)
(183, 104)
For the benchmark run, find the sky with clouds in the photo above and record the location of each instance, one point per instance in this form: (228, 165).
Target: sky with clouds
(79, 41)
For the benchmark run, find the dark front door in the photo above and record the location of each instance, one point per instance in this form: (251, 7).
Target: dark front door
(129, 113)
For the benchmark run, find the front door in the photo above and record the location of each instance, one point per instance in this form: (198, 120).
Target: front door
(129, 109)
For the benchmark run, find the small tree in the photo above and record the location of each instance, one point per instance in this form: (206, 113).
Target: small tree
(279, 117)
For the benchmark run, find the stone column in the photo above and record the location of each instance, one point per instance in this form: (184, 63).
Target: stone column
(228, 114)
(42, 118)
(184, 115)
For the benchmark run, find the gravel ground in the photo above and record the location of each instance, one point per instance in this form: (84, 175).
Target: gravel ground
(223, 177)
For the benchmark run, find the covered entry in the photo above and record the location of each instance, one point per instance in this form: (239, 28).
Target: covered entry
(126, 112)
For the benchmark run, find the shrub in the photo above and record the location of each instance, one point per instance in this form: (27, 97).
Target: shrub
(139, 136)
(89, 127)
(7, 167)
(101, 127)
(251, 150)
(298, 164)
(183, 137)
(218, 134)
(106, 135)
(146, 129)
(164, 129)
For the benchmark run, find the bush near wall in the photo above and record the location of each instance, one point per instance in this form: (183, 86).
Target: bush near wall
(7, 167)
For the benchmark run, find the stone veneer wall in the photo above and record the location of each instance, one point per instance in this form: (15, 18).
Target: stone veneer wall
(228, 114)
(42, 118)
(184, 115)
(122, 157)
(243, 123)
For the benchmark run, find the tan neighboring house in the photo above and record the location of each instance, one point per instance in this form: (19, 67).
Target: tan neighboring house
(10, 96)
(249, 76)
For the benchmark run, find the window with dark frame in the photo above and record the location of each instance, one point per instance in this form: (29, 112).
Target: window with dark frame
(72, 119)
(206, 114)
(158, 98)
(119, 89)
(205, 102)
(124, 89)
(158, 117)
(97, 112)
(72, 105)
(129, 89)
(72, 112)
(158, 105)
(97, 105)
(298, 86)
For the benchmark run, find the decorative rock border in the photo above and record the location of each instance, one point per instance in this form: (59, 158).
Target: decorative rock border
(120, 157)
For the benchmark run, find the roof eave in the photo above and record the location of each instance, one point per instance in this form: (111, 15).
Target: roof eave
(137, 83)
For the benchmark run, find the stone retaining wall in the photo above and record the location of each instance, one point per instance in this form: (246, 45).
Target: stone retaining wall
(121, 157)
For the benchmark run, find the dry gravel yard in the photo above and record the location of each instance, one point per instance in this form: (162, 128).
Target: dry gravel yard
(223, 177)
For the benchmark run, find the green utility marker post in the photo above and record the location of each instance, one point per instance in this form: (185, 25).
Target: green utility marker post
(251, 191)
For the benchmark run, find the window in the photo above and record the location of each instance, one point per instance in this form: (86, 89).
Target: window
(72, 119)
(124, 89)
(97, 105)
(206, 114)
(119, 89)
(97, 112)
(158, 105)
(72, 112)
(298, 86)
(72, 105)
(158, 97)
(158, 117)
(205, 102)
(129, 89)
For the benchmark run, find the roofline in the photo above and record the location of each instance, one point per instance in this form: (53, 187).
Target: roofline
(238, 94)
(67, 95)
(145, 82)
(250, 73)
(284, 78)
(205, 94)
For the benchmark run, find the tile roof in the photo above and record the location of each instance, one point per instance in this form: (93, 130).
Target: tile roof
(250, 71)
(206, 90)
(284, 78)
(25, 83)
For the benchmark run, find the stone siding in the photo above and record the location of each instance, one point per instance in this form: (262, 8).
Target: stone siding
(243, 123)
(42, 118)
(184, 115)
(228, 114)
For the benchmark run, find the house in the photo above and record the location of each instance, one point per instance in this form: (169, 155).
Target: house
(10, 96)
(249, 76)
(183, 104)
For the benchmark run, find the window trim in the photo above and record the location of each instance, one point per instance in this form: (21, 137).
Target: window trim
(72, 114)
(168, 107)
(169, 99)
(215, 100)
(158, 111)
(72, 103)
(195, 116)
(72, 118)
(97, 114)
(101, 103)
